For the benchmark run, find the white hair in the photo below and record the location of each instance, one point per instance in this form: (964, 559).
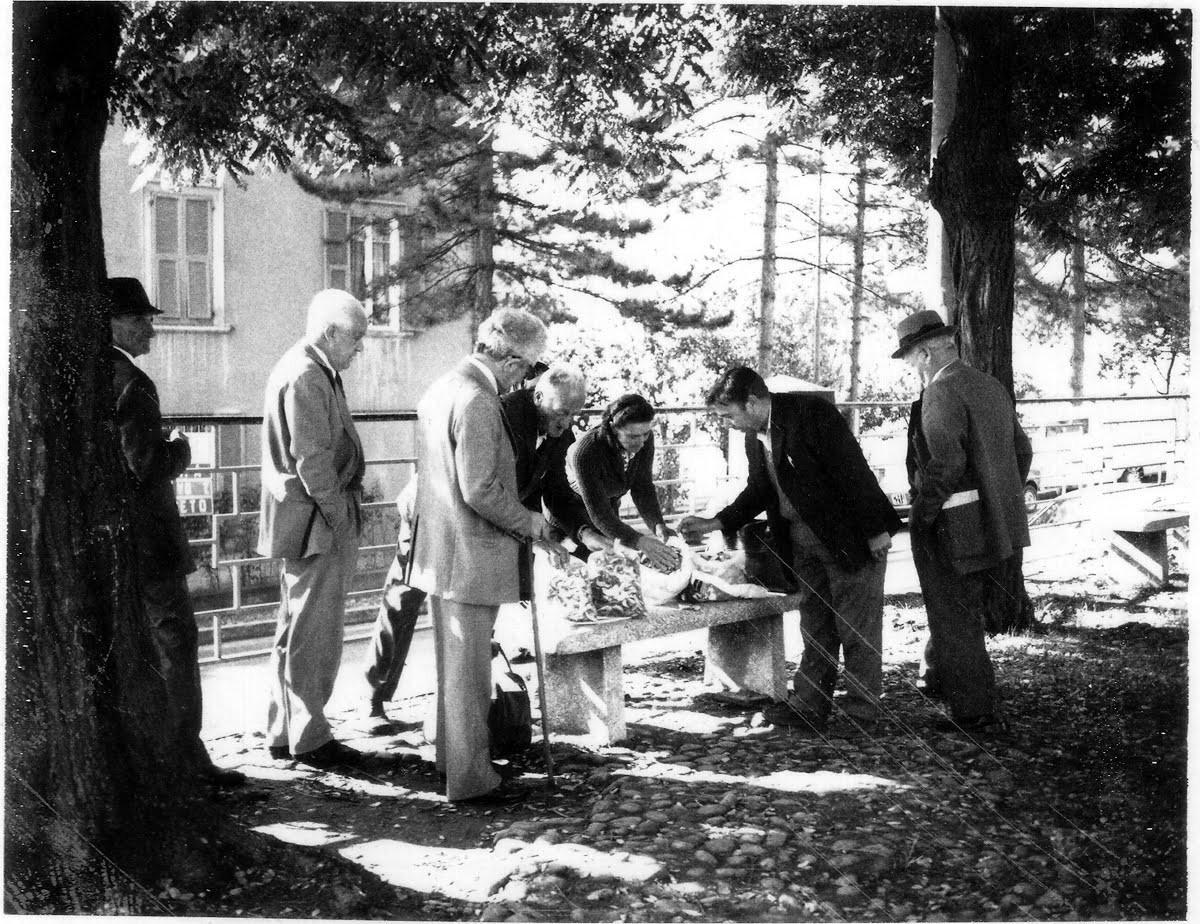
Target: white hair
(334, 308)
(565, 381)
(511, 332)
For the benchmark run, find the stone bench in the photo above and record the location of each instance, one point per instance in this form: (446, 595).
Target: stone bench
(583, 664)
(1139, 541)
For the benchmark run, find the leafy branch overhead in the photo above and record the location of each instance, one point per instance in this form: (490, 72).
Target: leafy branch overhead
(222, 85)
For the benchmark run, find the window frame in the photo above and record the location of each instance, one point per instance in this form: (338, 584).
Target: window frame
(214, 196)
(369, 212)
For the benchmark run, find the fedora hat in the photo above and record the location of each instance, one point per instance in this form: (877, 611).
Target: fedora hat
(918, 326)
(126, 297)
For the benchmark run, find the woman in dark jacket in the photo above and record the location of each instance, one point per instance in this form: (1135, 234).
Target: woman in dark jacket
(617, 458)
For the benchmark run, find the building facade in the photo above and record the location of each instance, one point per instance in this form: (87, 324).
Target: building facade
(233, 268)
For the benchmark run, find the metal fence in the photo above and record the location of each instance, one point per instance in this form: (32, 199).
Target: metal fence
(236, 591)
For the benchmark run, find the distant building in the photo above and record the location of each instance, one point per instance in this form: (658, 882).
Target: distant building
(233, 270)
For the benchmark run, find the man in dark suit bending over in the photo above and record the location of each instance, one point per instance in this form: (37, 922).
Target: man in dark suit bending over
(835, 526)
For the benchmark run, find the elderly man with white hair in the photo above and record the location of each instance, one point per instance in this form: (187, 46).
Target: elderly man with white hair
(470, 526)
(539, 417)
(311, 518)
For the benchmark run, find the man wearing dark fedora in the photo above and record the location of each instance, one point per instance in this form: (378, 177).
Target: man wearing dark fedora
(153, 460)
(968, 458)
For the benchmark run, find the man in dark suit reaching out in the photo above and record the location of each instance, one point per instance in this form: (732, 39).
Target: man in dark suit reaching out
(835, 525)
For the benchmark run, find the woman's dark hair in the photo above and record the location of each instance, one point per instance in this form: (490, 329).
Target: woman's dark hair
(628, 409)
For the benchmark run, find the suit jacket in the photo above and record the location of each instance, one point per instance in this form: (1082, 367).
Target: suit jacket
(152, 463)
(470, 521)
(969, 439)
(312, 459)
(542, 470)
(822, 472)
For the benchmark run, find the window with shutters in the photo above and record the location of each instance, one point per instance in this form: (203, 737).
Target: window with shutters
(365, 246)
(184, 255)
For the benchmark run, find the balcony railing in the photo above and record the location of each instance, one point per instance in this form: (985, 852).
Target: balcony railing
(236, 591)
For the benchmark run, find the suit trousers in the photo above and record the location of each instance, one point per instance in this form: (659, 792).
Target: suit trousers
(173, 631)
(462, 635)
(308, 643)
(955, 605)
(841, 610)
(393, 634)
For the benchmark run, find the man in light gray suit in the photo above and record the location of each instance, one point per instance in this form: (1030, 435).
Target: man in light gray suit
(470, 524)
(311, 517)
(968, 461)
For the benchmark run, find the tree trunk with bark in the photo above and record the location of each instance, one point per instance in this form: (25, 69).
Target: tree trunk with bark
(974, 184)
(88, 793)
(766, 316)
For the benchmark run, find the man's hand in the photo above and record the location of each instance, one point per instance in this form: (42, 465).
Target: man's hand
(557, 552)
(879, 546)
(539, 528)
(696, 528)
(659, 554)
(664, 532)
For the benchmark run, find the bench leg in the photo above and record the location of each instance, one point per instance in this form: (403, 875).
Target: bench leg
(748, 657)
(1142, 556)
(584, 694)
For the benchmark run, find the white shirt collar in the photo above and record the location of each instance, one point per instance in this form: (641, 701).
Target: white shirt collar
(764, 435)
(323, 358)
(937, 375)
(126, 352)
(491, 376)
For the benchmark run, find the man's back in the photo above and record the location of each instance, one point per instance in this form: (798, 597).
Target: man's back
(468, 508)
(974, 441)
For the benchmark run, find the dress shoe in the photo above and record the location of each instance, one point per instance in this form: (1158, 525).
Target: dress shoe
(279, 752)
(506, 770)
(330, 754)
(792, 717)
(221, 777)
(989, 724)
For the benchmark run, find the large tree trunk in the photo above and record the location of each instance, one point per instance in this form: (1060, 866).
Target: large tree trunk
(975, 184)
(86, 792)
(766, 317)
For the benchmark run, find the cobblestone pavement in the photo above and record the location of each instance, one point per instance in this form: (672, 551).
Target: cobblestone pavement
(704, 813)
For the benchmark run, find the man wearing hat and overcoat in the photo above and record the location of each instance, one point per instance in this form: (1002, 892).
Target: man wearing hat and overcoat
(968, 459)
(153, 460)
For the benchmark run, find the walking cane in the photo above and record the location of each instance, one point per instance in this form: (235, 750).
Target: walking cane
(541, 676)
